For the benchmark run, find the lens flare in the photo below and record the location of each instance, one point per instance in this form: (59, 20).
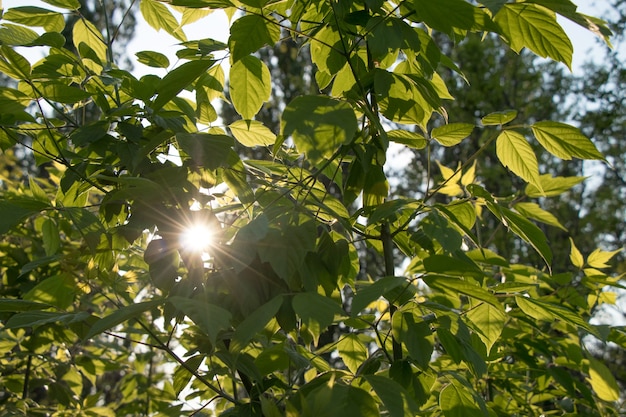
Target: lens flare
(197, 238)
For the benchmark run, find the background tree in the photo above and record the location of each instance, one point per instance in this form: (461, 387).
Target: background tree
(96, 252)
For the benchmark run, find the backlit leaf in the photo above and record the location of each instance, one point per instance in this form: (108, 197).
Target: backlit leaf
(602, 381)
(457, 401)
(210, 318)
(499, 118)
(318, 125)
(160, 17)
(366, 294)
(395, 398)
(64, 4)
(452, 134)
(153, 59)
(525, 229)
(249, 33)
(250, 85)
(516, 154)
(552, 186)
(176, 80)
(252, 133)
(565, 141)
(599, 258)
(352, 351)
(86, 32)
(575, 256)
(536, 28)
(316, 311)
(535, 212)
(36, 16)
(488, 322)
(253, 324)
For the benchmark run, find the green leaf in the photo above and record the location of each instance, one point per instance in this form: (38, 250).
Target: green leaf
(367, 293)
(515, 153)
(250, 85)
(182, 375)
(85, 32)
(536, 28)
(251, 32)
(445, 15)
(208, 317)
(522, 227)
(119, 316)
(316, 311)
(452, 134)
(251, 133)
(14, 64)
(457, 401)
(64, 4)
(253, 324)
(153, 59)
(62, 93)
(552, 186)
(178, 79)
(352, 351)
(160, 17)
(411, 139)
(36, 16)
(488, 322)
(14, 211)
(499, 118)
(39, 318)
(206, 150)
(565, 141)
(458, 286)
(415, 334)
(395, 398)
(602, 381)
(541, 310)
(15, 35)
(58, 291)
(534, 211)
(14, 305)
(318, 125)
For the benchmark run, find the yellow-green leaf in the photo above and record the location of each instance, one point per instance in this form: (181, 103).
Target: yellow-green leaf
(160, 17)
(533, 211)
(565, 141)
(552, 186)
(250, 85)
(575, 256)
(536, 28)
(36, 16)
(602, 381)
(515, 153)
(352, 351)
(599, 258)
(488, 322)
(499, 118)
(85, 32)
(451, 134)
(252, 133)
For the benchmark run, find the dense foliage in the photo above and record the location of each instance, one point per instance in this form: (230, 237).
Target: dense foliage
(107, 310)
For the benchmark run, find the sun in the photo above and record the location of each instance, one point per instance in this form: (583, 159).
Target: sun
(197, 238)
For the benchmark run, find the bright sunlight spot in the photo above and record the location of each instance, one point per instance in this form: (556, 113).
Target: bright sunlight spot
(197, 238)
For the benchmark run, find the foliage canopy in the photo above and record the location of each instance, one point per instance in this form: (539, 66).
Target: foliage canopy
(106, 311)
